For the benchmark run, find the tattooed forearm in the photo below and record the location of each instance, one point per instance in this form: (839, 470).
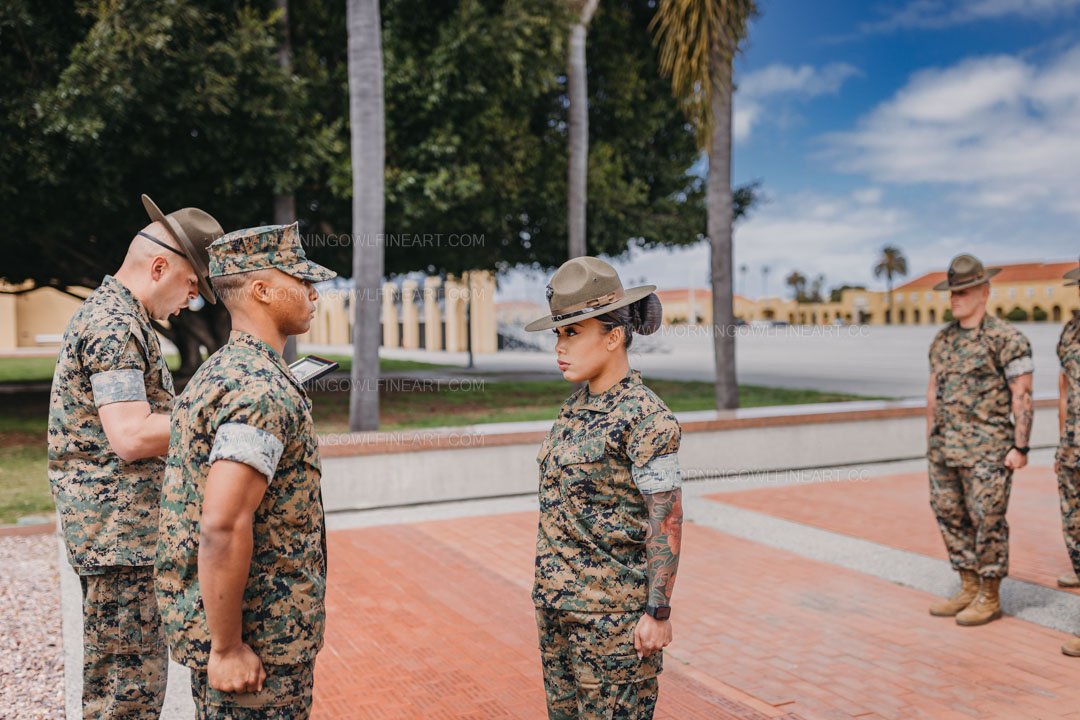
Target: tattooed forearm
(663, 543)
(1023, 408)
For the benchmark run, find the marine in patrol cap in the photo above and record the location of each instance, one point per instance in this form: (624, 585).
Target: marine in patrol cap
(263, 248)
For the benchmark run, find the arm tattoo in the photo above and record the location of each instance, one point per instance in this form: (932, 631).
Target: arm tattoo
(1023, 411)
(663, 543)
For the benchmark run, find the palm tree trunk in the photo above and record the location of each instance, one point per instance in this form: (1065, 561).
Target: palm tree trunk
(285, 203)
(367, 128)
(578, 131)
(718, 200)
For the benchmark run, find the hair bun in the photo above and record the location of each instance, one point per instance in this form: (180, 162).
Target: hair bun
(646, 314)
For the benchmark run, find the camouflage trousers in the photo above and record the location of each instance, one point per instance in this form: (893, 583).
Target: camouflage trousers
(970, 505)
(1069, 496)
(125, 658)
(286, 695)
(591, 670)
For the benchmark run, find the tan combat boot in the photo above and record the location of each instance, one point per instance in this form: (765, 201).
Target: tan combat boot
(1068, 581)
(1072, 647)
(986, 607)
(969, 588)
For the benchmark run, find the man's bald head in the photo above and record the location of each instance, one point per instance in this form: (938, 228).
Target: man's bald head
(158, 272)
(141, 251)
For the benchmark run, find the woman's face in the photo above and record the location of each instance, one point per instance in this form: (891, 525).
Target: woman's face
(584, 349)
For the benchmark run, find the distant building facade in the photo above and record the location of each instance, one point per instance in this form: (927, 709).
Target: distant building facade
(1032, 291)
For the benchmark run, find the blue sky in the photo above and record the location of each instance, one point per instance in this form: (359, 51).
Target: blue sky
(940, 126)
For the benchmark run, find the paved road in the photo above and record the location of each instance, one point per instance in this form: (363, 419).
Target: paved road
(866, 360)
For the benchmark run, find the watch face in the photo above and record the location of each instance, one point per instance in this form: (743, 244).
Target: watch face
(662, 613)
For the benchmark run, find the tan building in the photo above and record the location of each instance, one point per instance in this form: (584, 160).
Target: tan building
(1035, 290)
(431, 317)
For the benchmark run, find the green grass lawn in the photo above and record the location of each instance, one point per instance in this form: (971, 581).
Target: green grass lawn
(40, 369)
(24, 487)
(476, 401)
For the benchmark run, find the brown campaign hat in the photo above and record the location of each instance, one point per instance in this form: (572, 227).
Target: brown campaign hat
(966, 271)
(1073, 276)
(194, 230)
(585, 287)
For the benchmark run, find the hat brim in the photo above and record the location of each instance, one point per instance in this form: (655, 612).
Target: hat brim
(201, 270)
(990, 272)
(307, 270)
(632, 295)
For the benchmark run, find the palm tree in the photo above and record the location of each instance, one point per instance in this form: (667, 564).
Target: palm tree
(743, 269)
(765, 269)
(892, 263)
(797, 282)
(285, 203)
(367, 129)
(578, 126)
(697, 41)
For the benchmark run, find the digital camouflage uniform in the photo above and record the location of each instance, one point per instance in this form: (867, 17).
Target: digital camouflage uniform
(244, 405)
(108, 507)
(1068, 453)
(971, 434)
(602, 455)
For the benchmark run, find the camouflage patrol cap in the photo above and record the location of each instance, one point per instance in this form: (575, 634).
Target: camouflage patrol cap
(262, 248)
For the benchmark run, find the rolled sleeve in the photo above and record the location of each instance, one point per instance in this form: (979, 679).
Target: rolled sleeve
(1015, 356)
(249, 445)
(653, 448)
(661, 474)
(114, 386)
(1020, 366)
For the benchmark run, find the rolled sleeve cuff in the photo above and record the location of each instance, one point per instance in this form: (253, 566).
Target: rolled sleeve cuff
(249, 445)
(661, 474)
(1020, 366)
(114, 386)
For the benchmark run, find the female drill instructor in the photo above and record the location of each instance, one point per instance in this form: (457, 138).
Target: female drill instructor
(607, 548)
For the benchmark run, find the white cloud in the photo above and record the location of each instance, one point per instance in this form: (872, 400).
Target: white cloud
(1000, 132)
(935, 14)
(778, 83)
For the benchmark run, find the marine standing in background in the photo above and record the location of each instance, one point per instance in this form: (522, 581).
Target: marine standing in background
(610, 529)
(980, 372)
(108, 433)
(1067, 459)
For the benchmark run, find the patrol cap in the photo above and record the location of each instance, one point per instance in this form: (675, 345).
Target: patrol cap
(966, 271)
(263, 248)
(1073, 276)
(584, 287)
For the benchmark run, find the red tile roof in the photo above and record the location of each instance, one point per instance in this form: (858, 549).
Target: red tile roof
(1016, 273)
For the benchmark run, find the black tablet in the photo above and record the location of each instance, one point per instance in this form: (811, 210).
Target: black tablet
(311, 368)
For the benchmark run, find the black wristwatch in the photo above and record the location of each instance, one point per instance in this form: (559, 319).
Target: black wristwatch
(660, 612)
(1022, 450)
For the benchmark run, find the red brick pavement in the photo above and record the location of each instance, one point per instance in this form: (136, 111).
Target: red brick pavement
(895, 511)
(433, 620)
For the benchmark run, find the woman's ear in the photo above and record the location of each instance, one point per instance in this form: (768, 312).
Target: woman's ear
(615, 338)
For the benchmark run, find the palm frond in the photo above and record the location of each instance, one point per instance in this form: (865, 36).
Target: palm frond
(688, 33)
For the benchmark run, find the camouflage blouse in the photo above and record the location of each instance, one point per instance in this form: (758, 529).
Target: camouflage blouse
(973, 413)
(603, 454)
(1068, 350)
(108, 507)
(244, 405)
